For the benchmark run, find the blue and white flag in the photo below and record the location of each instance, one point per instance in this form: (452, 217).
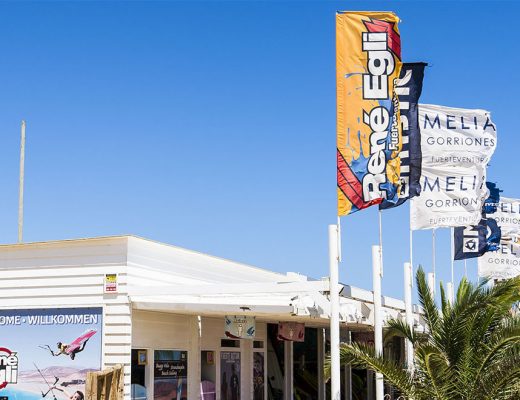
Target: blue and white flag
(456, 146)
(476, 240)
(408, 89)
(504, 263)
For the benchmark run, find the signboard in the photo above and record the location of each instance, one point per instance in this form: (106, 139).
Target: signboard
(240, 327)
(48, 352)
(110, 283)
(291, 331)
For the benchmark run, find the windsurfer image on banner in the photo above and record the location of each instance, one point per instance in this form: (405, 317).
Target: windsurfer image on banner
(77, 346)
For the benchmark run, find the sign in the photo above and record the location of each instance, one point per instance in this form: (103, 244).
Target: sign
(46, 353)
(110, 283)
(291, 331)
(456, 146)
(170, 369)
(170, 375)
(368, 63)
(240, 327)
(504, 263)
(409, 89)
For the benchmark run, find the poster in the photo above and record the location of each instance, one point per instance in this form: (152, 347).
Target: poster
(230, 375)
(48, 351)
(456, 146)
(368, 63)
(170, 375)
(258, 376)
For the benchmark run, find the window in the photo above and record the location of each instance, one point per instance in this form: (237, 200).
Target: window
(170, 375)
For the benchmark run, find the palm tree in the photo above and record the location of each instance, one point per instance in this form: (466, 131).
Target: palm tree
(470, 351)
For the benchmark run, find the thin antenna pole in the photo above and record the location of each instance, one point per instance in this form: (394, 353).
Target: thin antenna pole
(20, 190)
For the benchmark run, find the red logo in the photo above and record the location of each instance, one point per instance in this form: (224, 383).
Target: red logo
(8, 367)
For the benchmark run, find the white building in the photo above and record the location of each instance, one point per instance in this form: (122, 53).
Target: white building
(171, 302)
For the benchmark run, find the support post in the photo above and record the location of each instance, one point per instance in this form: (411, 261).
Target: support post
(378, 322)
(335, 370)
(409, 314)
(321, 359)
(288, 369)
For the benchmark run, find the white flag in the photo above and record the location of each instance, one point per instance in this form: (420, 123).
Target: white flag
(456, 146)
(504, 263)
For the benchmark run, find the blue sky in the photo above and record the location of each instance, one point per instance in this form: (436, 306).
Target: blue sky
(211, 125)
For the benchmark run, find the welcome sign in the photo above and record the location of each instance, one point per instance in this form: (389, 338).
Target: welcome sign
(456, 146)
(46, 353)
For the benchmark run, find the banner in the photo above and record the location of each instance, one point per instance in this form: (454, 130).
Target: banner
(505, 263)
(456, 146)
(240, 327)
(48, 352)
(408, 89)
(368, 63)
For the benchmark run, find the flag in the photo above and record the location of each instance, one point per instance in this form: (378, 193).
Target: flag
(476, 240)
(456, 146)
(408, 89)
(504, 263)
(368, 62)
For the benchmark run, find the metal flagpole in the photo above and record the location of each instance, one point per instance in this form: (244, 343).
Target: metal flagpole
(335, 370)
(452, 244)
(21, 182)
(465, 269)
(409, 314)
(411, 238)
(378, 323)
(433, 260)
(381, 242)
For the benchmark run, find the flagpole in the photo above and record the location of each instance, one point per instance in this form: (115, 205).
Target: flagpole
(465, 269)
(381, 241)
(335, 369)
(21, 183)
(452, 264)
(378, 322)
(409, 314)
(433, 260)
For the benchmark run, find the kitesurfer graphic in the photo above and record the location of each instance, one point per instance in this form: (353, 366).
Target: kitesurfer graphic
(75, 347)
